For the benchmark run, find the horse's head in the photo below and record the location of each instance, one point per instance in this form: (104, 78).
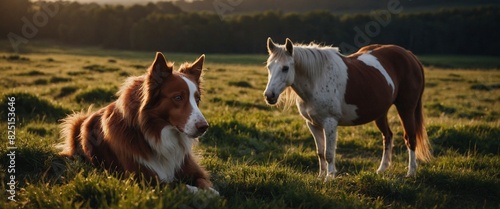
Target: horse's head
(281, 70)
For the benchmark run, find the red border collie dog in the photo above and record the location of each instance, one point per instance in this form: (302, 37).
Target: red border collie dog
(149, 130)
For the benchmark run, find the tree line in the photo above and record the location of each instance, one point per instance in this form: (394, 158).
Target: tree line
(163, 26)
(246, 6)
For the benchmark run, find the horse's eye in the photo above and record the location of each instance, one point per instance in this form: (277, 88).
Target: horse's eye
(284, 69)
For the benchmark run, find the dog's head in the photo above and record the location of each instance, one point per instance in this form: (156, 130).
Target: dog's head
(172, 98)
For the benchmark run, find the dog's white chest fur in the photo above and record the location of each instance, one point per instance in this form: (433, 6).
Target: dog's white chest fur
(168, 155)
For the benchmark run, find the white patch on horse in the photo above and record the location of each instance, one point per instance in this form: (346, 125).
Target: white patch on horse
(412, 164)
(371, 60)
(348, 111)
(386, 161)
(348, 114)
(329, 88)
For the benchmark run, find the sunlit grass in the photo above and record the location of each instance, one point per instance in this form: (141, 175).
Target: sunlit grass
(259, 156)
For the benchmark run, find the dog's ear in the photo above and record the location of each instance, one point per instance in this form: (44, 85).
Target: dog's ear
(156, 75)
(194, 69)
(158, 72)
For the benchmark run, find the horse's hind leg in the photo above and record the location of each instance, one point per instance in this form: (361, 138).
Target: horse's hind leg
(407, 116)
(383, 126)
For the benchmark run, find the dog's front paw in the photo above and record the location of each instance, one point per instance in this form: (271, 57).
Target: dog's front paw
(192, 189)
(213, 191)
(209, 191)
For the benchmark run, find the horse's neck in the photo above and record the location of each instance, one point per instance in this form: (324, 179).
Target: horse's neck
(305, 80)
(311, 76)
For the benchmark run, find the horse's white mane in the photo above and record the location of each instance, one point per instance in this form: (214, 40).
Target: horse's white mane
(310, 58)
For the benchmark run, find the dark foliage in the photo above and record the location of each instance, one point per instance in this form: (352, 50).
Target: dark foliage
(163, 26)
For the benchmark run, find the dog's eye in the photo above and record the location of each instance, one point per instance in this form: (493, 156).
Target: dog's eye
(284, 69)
(178, 98)
(197, 99)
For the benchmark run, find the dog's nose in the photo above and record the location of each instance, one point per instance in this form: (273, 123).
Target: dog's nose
(202, 126)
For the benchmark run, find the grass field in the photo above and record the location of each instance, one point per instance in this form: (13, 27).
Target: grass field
(259, 156)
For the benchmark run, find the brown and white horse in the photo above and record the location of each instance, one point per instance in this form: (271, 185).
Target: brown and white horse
(333, 90)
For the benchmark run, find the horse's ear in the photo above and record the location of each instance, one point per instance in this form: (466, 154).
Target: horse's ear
(289, 46)
(270, 45)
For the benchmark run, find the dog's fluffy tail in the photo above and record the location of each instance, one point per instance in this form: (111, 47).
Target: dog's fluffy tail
(70, 134)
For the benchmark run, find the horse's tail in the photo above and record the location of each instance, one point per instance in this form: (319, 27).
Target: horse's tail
(423, 148)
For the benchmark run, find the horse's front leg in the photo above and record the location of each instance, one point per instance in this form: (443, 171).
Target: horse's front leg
(330, 128)
(319, 138)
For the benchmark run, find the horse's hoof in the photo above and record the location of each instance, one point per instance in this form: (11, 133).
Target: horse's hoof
(380, 171)
(329, 177)
(321, 175)
(411, 174)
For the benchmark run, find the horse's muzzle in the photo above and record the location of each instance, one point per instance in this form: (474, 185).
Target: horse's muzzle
(271, 98)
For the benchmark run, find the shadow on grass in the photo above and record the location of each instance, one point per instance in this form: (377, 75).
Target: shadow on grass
(436, 109)
(236, 140)
(97, 95)
(247, 105)
(66, 91)
(241, 142)
(29, 107)
(466, 139)
(52, 181)
(272, 186)
(463, 188)
(233, 139)
(100, 68)
(33, 165)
